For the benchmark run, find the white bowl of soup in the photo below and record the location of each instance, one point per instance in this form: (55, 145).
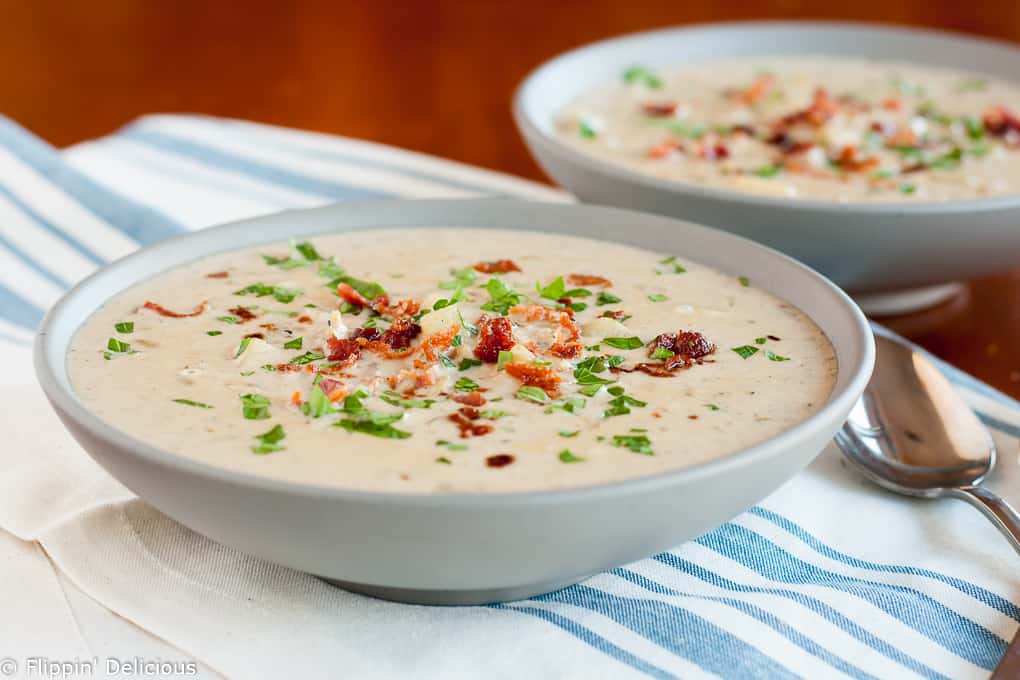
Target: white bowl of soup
(886, 158)
(454, 401)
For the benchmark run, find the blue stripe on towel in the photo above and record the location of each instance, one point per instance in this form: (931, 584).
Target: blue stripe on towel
(140, 222)
(955, 632)
(31, 262)
(44, 223)
(18, 310)
(590, 637)
(824, 610)
(677, 630)
(245, 166)
(977, 592)
(756, 612)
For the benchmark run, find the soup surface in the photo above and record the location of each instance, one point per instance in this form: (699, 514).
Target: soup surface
(808, 127)
(450, 360)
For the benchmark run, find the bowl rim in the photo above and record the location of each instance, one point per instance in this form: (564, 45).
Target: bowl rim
(68, 405)
(532, 131)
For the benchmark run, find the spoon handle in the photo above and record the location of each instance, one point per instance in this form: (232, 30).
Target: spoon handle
(1002, 514)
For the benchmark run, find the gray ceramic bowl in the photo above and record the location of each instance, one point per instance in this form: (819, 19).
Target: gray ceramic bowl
(865, 248)
(459, 549)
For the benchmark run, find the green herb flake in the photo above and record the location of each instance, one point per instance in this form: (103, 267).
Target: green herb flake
(301, 254)
(770, 170)
(119, 346)
(306, 358)
(620, 406)
(578, 306)
(369, 290)
(569, 433)
(907, 188)
(189, 402)
(396, 399)
(447, 361)
(467, 363)
(566, 456)
(281, 294)
(772, 356)
(745, 351)
(605, 298)
(452, 446)
(643, 76)
(444, 460)
(269, 442)
(466, 385)
(501, 298)
(254, 406)
(532, 393)
(711, 407)
(214, 333)
(759, 341)
(662, 353)
(228, 319)
(554, 291)
(586, 130)
(243, 346)
(624, 343)
(503, 358)
(294, 344)
(658, 297)
(636, 443)
(593, 348)
(125, 327)
(744, 281)
(495, 414)
(318, 403)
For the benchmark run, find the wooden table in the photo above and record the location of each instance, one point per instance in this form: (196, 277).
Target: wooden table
(432, 76)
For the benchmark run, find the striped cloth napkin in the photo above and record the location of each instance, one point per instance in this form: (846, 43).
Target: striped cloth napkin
(828, 577)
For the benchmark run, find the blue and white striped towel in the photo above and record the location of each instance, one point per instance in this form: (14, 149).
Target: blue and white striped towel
(828, 577)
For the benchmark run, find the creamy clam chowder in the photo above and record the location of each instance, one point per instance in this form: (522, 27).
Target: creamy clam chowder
(450, 360)
(808, 127)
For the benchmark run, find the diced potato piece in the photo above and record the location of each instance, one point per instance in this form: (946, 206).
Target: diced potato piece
(605, 328)
(337, 326)
(522, 355)
(440, 320)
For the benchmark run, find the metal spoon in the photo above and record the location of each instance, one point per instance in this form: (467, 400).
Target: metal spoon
(912, 433)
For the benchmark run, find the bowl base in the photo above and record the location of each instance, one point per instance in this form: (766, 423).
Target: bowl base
(907, 300)
(453, 598)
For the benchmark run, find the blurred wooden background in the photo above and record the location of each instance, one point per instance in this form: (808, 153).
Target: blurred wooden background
(431, 76)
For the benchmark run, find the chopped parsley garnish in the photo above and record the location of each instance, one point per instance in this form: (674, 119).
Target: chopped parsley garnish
(501, 297)
(467, 363)
(577, 292)
(457, 341)
(254, 406)
(744, 281)
(567, 457)
(532, 393)
(975, 128)
(372, 423)
(306, 358)
(442, 303)
(568, 405)
(452, 446)
(619, 406)
(616, 390)
(642, 75)
(495, 414)
(269, 442)
(636, 443)
(658, 297)
(330, 269)
(473, 330)
(444, 460)
(229, 319)
(294, 344)
(770, 170)
(247, 373)
(465, 385)
(447, 361)
(569, 433)
(605, 298)
(614, 361)
(586, 130)
(745, 351)
(624, 343)
(593, 348)
(214, 333)
(578, 306)
(772, 356)
(119, 346)
(281, 294)
(125, 327)
(503, 358)
(243, 346)
(369, 290)
(554, 291)
(396, 399)
(189, 402)
(300, 255)
(907, 188)
(584, 374)
(461, 278)
(318, 403)
(948, 161)
(760, 341)
(711, 407)
(662, 353)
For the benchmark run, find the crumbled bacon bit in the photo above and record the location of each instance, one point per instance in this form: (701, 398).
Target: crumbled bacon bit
(497, 267)
(543, 377)
(692, 417)
(163, 311)
(260, 336)
(268, 326)
(659, 109)
(345, 351)
(772, 337)
(346, 292)
(1000, 122)
(365, 332)
(822, 108)
(382, 305)
(288, 368)
(713, 152)
(742, 130)
(902, 137)
(464, 418)
(400, 333)
(618, 314)
(564, 318)
(494, 335)
(217, 275)
(892, 104)
(849, 161)
(588, 280)
(304, 319)
(758, 88)
(242, 313)
(295, 397)
(664, 149)
(471, 398)
(333, 389)
(566, 350)
(499, 460)
(688, 347)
